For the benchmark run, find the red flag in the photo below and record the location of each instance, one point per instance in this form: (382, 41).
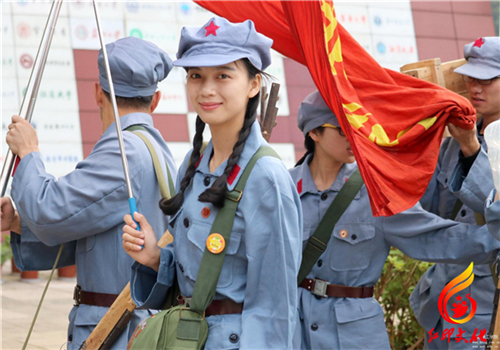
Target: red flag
(397, 121)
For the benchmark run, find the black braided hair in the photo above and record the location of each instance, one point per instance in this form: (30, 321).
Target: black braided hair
(309, 145)
(171, 206)
(216, 193)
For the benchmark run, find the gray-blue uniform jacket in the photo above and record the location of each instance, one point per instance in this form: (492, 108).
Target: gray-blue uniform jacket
(357, 259)
(85, 210)
(448, 184)
(263, 253)
(492, 214)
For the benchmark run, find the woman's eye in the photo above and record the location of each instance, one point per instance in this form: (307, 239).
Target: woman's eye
(194, 76)
(223, 76)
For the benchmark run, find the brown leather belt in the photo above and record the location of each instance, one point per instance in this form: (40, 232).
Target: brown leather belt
(90, 298)
(217, 307)
(325, 289)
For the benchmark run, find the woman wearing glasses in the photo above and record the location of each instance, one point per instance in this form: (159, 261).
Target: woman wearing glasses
(336, 305)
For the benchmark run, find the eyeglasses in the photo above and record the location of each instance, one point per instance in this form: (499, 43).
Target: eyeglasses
(468, 79)
(341, 132)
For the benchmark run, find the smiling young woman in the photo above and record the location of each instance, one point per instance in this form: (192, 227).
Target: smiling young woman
(256, 293)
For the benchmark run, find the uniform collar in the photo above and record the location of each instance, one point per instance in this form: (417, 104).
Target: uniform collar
(306, 184)
(252, 144)
(128, 120)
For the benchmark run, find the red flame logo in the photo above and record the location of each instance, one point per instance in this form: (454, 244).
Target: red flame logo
(460, 307)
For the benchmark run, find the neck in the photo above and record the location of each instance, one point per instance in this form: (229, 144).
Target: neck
(324, 170)
(487, 120)
(224, 137)
(108, 117)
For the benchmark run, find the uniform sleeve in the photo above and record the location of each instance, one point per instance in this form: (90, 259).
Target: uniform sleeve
(91, 199)
(273, 248)
(473, 188)
(427, 237)
(492, 215)
(430, 199)
(32, 255)
(149, 288)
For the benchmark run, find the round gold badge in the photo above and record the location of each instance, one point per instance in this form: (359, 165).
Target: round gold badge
(215, 243)
(343, 233)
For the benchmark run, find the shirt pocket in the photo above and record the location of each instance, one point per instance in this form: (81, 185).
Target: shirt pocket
(352, 246)
(191, 258)
(84, 245)
(361, 322)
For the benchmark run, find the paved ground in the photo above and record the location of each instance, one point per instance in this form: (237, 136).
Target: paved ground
(18, 302)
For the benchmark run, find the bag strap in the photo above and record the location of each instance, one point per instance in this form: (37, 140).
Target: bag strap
(318, 242)
(211, 264)
(164, 188)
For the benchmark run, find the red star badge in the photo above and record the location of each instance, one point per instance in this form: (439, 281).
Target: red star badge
(211, 29)
(479, 42)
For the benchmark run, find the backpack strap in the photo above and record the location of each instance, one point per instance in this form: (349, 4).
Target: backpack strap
(211, 263)
(164, 188)
(318, 242)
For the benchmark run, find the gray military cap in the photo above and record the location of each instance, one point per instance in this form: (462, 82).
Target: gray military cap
(136, 67)
(483, 58)
(220, 42)
(313, 113)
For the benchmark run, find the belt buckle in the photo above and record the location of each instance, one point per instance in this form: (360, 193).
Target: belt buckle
(76, 295)
(320, 287)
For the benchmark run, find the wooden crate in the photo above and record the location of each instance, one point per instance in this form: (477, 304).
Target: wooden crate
(439, 73)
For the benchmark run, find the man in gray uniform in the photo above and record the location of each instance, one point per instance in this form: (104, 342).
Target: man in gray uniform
(85, 208)
(458, 190)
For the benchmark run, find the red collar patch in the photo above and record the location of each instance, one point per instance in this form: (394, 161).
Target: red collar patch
(199, 160)
(232, 175)
(479, 42)
(299, 186)
(211, 29)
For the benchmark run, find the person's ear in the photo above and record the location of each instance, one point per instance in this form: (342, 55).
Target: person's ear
(255, 85)
(314, 134)
(98, 94)
(156, 100)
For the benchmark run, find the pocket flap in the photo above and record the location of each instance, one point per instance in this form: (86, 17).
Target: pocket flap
(357, 310)
(198, 236)
(88, 315)
(354, 233)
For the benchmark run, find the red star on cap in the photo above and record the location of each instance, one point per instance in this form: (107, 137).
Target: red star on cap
(211, 29)
(479, 42)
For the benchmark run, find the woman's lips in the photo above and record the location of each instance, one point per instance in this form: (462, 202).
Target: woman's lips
(208, 106)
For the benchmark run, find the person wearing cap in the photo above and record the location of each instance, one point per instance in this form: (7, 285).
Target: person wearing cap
(255, 301)
(336, 304)
(84, 209)
(458, 190)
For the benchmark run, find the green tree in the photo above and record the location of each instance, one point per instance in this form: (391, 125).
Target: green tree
(398, 280)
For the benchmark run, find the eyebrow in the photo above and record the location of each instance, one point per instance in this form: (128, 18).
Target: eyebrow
(218, 68)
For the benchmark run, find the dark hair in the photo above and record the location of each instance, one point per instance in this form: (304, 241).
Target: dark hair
(139, 102)
(309, 145)
(216, 193)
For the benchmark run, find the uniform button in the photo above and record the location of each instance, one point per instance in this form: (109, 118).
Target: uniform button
(324, 196)
(463, 212)
(233, 338)
(480, 141)
(70, 337)
(186, 222)
(181, 267)
(354, 237)
(446, 180)
(314, 327)
(320, 263)
(206, 181)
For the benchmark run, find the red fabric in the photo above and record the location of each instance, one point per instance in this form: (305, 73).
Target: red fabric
(232, 175)
(396, 155)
